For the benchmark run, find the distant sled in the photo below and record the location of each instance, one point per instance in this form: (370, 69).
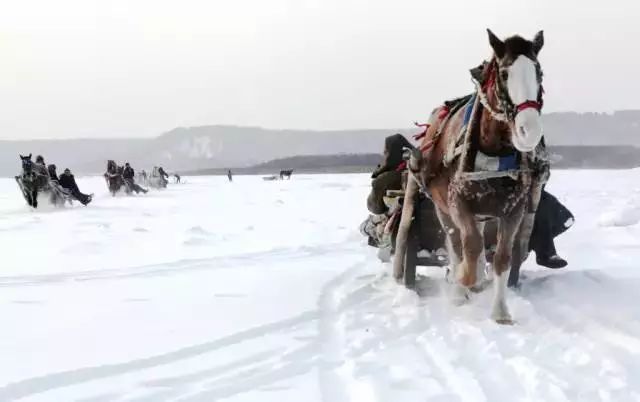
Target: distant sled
(33, 182)
(157, 179)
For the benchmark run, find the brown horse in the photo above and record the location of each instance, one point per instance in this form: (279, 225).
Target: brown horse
(502, 119)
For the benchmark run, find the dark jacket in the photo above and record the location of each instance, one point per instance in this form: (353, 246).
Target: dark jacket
(53, 175)
(393, 147)
(128, 173)
(552, 218)
(68, 181)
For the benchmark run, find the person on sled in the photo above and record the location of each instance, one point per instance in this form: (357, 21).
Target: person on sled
(163, 174)
(388, 175)
(68, 181)
(41, 172)
(128, 174)
(53, 175)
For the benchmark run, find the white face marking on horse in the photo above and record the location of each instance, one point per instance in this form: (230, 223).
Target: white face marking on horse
(522, 84)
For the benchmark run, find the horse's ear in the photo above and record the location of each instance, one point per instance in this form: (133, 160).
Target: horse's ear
(496, 44)
(477, 73)
(538, 42)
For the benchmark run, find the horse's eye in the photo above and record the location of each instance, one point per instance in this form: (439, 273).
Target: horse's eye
(504, 75)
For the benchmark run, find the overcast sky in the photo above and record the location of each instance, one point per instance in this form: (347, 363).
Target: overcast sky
(111, 68)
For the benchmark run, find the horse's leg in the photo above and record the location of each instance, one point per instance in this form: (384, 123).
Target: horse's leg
(28, 197)
(472, 243)
(507, 229)
(34, 198)
(482, 259)
(521, 243)
(403, 229)
(454, 245)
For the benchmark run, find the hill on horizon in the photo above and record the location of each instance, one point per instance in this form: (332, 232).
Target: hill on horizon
(220, 146)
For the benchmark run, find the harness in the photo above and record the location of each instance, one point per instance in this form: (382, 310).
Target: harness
(508, 110)
(516, 166)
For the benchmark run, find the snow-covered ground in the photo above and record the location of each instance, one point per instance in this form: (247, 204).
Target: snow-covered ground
(265, 291)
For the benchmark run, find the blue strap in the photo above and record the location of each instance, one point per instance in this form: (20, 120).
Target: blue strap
(467, 113)
(509, 162)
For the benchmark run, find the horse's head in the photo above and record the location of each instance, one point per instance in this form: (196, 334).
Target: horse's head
(516, 76)
(27, 163)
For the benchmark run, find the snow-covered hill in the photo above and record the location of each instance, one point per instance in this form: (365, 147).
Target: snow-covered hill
(265, 291)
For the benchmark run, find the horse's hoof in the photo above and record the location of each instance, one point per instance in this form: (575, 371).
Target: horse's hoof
(502, 317)
(480, 286)
(460, 295)
(468, 281)
(505, 321)
(466, 277)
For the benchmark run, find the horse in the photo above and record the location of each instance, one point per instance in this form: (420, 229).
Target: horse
(501, 120)
(286, 173)
(113, 177)
(27, 181)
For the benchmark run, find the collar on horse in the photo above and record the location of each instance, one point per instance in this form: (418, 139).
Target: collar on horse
(506, 111)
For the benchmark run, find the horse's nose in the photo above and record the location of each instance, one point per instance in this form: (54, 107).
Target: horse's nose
(528, 133)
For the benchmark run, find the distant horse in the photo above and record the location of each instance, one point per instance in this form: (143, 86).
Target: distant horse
(286, 173)
(114, 178)
(27, 181)
(501, 120)
(31, 183)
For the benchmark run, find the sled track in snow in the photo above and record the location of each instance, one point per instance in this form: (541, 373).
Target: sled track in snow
(374, 340)
(183, 266)
(51, 381)
(382, 342)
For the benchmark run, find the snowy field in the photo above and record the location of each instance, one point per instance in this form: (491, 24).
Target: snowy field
(266, 291)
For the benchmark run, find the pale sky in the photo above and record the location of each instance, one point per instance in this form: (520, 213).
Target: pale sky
(113, 68)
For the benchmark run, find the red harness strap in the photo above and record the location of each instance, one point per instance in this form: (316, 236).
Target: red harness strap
(423, 132)
(530, 104)
(491, 78)
(443, 112)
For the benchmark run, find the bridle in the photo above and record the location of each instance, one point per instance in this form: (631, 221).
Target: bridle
(507, 111)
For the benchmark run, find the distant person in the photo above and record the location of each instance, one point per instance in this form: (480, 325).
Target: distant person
(69, 182)
(129, 176)
(229, 175)
(40, 165)
(53, 175)
(41, 171)
(163, 173)
(144, 175)
(177, 176)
